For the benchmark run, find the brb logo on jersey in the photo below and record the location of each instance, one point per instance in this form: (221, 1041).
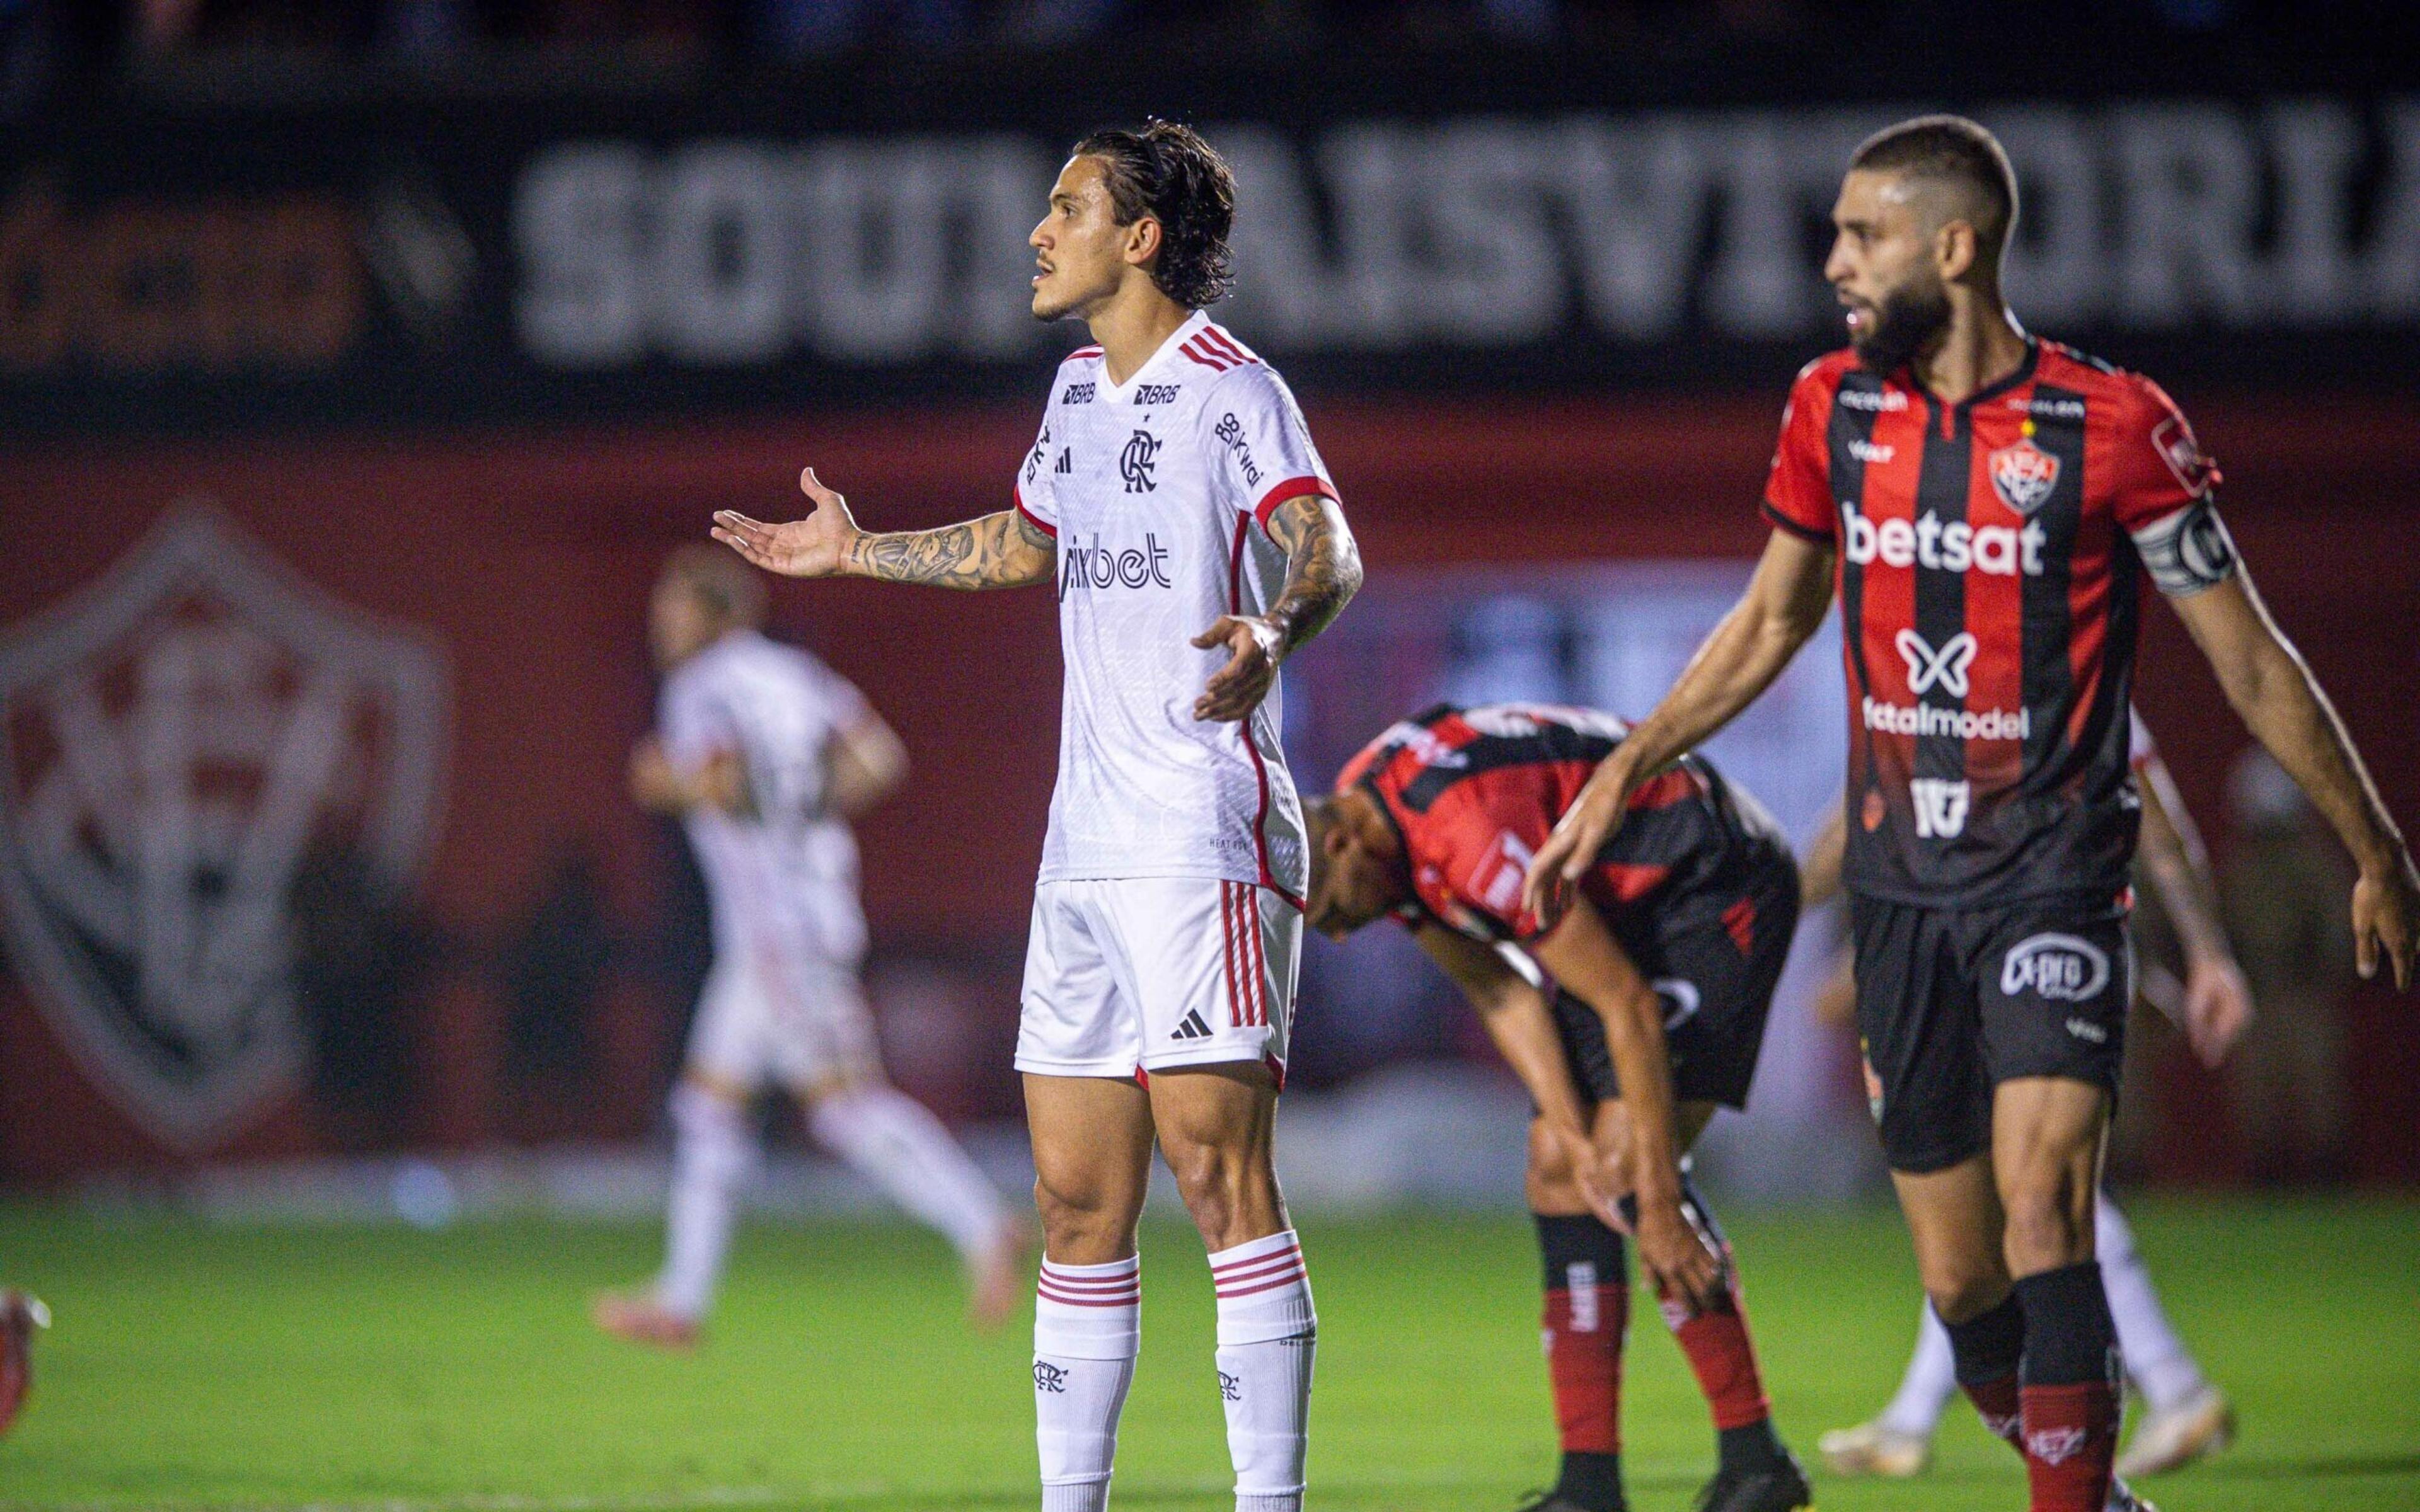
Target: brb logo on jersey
(1103, 567)
(2059, 967)
(194, 740)
(1137, 461)
(2023, 476)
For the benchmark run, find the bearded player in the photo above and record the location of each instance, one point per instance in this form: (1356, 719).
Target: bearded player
(1175, 498)
(1988, 505)
(1665, 963)
(765, 755)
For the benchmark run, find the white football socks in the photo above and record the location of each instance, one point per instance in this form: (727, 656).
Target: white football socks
(891, 1139)
(1267, 1336)
(712, 1152)
(2156, 1359)
(1931, 1380)
(1087, 1330)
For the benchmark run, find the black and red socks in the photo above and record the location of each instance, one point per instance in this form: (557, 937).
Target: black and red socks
(2069, 1393)
(1586, 1315)
(1985, 1350)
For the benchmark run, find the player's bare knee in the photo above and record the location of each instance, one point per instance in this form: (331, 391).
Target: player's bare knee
(1230, 1194)
(1081, 1223)
(1549, 1183)
(1965, 1294)
(1962, 1285)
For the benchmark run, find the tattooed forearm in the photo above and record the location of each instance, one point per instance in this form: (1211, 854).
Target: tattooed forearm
(1000, 551)
(1323, 567)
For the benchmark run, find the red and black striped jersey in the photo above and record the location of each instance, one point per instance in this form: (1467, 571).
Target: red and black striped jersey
(1991, 559)
(1472, 793)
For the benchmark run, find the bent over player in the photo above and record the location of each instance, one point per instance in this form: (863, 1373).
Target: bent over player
(1987, 505)
(766, 754)
(1175, 498)
(1666, 963)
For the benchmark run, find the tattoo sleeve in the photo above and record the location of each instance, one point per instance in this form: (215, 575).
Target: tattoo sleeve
(1323, 567)
(1001, 550)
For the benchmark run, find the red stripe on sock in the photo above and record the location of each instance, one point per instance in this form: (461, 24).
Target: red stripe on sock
(1289, 1278)
(1079, 1302)
(1258, 1272)
(1227, 1267)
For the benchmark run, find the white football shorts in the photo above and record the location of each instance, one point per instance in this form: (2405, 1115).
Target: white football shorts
(789, 1025)
(1142, 974)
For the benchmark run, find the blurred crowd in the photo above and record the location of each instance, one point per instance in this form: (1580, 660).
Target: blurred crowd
(443, 30)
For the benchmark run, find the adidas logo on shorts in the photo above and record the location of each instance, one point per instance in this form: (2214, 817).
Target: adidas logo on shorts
(1193, 1028)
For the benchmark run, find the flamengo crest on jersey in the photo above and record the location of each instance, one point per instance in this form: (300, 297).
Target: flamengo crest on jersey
(1157, 492)
(781, 881)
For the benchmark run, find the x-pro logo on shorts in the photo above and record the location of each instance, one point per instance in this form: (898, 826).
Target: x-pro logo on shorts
(1946, 666)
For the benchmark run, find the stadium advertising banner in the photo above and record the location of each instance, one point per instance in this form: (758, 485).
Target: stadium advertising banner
(569, 259)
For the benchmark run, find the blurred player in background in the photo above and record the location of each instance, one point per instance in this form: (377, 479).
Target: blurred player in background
(1987, 506)
(1665, 966)
(2185, 1418)
(19, 1315)
(765, 755)
(1175, 498)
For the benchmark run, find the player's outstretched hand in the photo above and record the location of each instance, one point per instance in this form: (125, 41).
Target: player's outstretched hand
(2386, 917)
(2218, 1008)
(1571, 849)
(1678, 1257)
(1236, 690)
(815, 546)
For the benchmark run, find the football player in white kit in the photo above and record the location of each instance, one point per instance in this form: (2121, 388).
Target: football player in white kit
(765, 755)
(1174, 499)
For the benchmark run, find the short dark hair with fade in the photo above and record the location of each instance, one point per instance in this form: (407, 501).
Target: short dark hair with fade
(1167, 172)
(1954, 150)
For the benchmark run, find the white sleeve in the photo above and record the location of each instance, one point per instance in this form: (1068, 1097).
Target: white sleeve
(1036, 493)
(693, 722)
(1260, 450)
(843, 707)
(2140, 751)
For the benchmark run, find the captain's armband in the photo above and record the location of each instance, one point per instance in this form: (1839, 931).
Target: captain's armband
(2188, 552)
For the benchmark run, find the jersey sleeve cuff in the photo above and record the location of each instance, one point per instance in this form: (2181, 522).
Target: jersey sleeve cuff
(1039, 523)
(1804, 531)
(1290, 489)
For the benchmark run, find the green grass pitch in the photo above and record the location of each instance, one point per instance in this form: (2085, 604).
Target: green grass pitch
(389, 1370)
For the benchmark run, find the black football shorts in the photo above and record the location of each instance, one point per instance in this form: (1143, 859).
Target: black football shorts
(1953, 1001)
(1714, 960)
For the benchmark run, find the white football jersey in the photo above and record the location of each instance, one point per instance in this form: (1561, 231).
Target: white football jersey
(781, 879)
(1158, 492)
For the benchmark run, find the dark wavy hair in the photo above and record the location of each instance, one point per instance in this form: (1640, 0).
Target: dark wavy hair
(1167, 172)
